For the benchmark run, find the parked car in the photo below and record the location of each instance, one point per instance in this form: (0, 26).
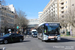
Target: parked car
(11, 37)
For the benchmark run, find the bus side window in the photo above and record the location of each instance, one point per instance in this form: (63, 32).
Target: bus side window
(39, 30)
(45, 27)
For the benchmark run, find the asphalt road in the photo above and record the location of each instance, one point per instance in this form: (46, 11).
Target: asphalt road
(30, 43)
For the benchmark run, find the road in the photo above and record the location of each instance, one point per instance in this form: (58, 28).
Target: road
(30, 43)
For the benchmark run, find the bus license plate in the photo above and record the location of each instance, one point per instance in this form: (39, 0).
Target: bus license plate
(50, 37)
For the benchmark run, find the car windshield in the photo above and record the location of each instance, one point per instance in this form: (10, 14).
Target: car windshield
(34, 32)
(6, 35)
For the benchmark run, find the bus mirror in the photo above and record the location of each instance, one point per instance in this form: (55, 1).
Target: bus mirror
(60, 27)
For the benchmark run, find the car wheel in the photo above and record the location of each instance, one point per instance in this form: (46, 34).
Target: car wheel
(5, 41)
(21, 40)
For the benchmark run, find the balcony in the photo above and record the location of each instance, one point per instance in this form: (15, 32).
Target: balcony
(61, 1)
(61, 5)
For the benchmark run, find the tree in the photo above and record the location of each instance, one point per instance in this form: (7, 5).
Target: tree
(51, 18)
(2, 2)
(70, 17)
(21, 20)
(69, 20)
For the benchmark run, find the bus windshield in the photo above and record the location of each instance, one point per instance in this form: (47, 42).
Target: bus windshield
(52, 29)
(34, 32)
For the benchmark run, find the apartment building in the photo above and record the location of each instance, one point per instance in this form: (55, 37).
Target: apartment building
(50, 12)
(7, 18)
(39, 17)
(65, 6)
(56, 10)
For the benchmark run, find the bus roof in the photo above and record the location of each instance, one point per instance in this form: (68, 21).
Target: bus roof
(47, 22)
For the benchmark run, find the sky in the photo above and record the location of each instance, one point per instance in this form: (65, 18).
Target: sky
(30, 7)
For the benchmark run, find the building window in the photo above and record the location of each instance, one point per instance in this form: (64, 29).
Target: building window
(72, 4)
(12, 12)
(62, 11)
(62, 7)
(62, 16)
(62, 3)
(66, 6)
(66, 1)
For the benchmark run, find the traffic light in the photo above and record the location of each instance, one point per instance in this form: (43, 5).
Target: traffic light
(17, 27)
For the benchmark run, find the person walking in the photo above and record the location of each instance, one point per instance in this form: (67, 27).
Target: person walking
(25, 33)
(71, 32)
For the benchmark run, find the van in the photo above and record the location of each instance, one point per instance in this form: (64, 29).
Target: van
(34, 33)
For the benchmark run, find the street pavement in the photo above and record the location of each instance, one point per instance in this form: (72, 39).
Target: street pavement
(31, 43)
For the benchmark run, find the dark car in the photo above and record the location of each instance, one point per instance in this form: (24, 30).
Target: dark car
(11, 37)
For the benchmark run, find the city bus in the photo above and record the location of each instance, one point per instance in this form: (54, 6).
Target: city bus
(49, 31)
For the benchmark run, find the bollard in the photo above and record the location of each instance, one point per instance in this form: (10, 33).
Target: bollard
(4, 48)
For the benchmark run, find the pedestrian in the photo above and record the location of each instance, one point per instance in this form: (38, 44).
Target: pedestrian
(71, 32)
(17, 32)
(25, 32)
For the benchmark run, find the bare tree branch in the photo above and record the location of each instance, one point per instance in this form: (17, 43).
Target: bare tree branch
(21, 19)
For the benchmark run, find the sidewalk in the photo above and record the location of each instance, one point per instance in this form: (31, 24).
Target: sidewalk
(67, 36)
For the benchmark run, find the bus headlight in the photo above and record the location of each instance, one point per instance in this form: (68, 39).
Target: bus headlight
(58, 38)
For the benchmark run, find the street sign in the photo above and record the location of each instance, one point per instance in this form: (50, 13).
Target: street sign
(17, 27)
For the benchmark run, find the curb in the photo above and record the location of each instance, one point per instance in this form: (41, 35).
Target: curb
(68, 36)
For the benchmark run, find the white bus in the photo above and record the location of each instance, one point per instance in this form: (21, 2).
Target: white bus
(49, 31)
